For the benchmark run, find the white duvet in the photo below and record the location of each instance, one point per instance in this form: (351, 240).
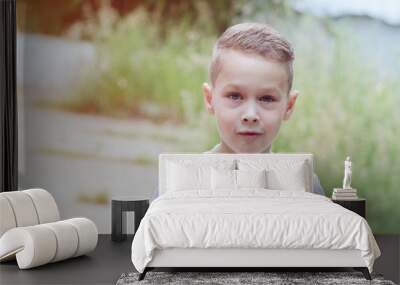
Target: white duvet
(251, 218)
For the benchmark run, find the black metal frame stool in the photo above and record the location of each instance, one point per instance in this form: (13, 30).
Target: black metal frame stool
(119, 205)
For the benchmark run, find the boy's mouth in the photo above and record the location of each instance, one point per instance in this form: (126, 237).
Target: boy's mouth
(249, 133)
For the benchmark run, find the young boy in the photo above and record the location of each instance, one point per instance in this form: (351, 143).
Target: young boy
(250, 95)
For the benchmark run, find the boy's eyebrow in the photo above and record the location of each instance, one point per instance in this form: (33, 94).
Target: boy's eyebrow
(270, 90)
(232, 86)
(260, 90)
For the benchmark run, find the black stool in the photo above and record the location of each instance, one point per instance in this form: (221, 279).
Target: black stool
(119, 205)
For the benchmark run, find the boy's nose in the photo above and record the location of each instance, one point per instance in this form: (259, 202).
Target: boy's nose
(247, 119)
(250, 115)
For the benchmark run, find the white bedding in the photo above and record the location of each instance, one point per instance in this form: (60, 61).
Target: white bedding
(250, 218)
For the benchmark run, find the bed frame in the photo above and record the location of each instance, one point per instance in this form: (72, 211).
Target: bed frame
(251, 258)
(246, 259)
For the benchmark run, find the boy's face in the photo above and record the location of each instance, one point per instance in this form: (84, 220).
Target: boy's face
(249, 100)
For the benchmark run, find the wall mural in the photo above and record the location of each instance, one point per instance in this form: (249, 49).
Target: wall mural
(104, 87)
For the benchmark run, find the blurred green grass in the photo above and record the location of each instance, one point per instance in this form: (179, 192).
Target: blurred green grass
(140, 75)
(344, 108)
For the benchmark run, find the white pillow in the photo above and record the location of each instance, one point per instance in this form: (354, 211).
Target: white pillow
(281, 174)
(189, 174)
(251, 178)
(293, 179)
(223, 179)
(228, 179)
(185, 177)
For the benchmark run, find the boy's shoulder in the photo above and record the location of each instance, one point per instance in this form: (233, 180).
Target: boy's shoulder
(213, 150)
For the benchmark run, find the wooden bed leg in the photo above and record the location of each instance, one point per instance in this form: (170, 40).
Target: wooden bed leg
(364, 271)
(143, 274)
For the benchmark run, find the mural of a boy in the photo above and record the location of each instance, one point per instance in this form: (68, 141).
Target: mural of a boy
(250, 91)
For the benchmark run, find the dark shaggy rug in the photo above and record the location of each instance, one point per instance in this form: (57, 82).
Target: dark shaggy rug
(229, 278)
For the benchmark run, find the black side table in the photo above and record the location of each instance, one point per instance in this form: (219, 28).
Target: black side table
(357, 205)
(119, 205)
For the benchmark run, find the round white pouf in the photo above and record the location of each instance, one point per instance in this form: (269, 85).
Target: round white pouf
(33, 246)
(40, 244)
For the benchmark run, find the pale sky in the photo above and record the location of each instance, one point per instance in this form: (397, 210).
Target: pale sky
(386, 10)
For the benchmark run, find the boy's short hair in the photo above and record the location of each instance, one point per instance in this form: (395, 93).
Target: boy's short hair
(253, 38)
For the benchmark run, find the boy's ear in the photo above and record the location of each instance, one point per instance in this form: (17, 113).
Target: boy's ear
(207, 96)
(290, 104)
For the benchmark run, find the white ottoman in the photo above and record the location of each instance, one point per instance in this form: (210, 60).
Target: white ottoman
(31, 233)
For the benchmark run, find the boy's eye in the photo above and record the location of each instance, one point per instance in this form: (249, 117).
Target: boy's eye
(267, 98)
(234, 96)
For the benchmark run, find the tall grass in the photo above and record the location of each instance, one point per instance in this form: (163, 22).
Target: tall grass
(141, 75)
(346, 109)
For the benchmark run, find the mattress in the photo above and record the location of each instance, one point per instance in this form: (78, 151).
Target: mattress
(250, 219)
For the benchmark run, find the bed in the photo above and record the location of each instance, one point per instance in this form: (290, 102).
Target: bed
(245, 211)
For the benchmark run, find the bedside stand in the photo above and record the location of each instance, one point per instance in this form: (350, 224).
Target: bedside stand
(137, 204)
(358, 205)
